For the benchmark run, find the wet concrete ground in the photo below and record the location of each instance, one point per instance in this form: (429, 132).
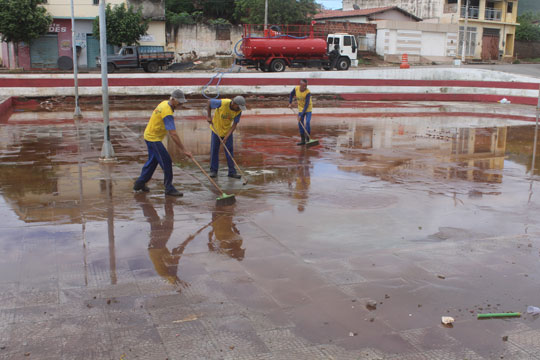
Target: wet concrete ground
(350, 250)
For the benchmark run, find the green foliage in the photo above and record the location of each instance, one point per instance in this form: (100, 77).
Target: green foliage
(219, 21)
(23, 20)
(527, 30)
(279, 11)
(124, 25)
(182, 18)
(528, 5)
(180, 6)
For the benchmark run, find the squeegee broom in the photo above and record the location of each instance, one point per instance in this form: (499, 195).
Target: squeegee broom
(224, 199)
(244, 178)
(311, 142)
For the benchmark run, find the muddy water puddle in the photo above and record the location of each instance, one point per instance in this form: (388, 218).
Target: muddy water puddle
(380, 208)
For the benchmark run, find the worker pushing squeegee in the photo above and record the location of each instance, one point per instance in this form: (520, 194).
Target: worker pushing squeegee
(226, 118)
(305, 105)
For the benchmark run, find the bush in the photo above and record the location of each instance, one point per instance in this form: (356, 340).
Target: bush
(219, 21)
(182, 18)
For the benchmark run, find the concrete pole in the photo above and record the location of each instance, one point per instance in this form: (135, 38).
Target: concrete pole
(265, 14)
(107, 152)
(465, 32)
(75, 65)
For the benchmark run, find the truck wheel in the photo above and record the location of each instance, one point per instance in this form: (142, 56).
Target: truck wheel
(110, 68)
(277, 65)
(152, 67)
(343, 63)
(145, 68)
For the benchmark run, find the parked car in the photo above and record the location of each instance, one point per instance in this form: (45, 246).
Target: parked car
(136, 57)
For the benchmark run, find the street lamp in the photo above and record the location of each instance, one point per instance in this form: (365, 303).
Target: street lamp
(75, 63)
(107, 152)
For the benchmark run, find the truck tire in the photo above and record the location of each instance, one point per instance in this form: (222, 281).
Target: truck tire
(110, 68)
(343, 63)
(277, 65)
(152, 67)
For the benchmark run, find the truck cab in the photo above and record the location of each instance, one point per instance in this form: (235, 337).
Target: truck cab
(348, 49)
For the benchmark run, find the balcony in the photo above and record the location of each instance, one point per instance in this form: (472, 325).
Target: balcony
(493, 14)
(474, 12)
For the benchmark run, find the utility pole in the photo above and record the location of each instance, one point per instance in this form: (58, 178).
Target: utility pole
(107, 152)
(465, 32)
(265, 14)
(75, 63)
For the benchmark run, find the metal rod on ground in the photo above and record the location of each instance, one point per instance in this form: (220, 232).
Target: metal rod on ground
(244, 179)
(75, 63)
(107, 152)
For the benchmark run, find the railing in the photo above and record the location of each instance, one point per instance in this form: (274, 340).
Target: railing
(474, 12)
(493, 14)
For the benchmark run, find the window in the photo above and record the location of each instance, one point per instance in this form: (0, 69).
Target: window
(96, 2)
(330, 40)
(128, 51)
(223, 33)
(336, 41)
(347, 41)
(510, 8)
(451, 2)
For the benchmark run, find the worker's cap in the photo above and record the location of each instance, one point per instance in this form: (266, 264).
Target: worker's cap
(240, 101)
(178, 95)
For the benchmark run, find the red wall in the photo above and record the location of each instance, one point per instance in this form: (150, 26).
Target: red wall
(63, 28)
(24, 56)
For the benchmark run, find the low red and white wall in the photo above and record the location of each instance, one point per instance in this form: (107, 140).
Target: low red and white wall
(417, 84)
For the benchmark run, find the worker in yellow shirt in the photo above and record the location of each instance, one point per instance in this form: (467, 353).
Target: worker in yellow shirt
(161, 122)
(226, 117)
(305, 105)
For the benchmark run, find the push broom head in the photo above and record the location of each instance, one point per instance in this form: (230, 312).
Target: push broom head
(311, 143)
(225, 199)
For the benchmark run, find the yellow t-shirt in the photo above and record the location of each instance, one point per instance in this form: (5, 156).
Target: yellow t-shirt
(224, 117)
(155, 130)
(301, 98)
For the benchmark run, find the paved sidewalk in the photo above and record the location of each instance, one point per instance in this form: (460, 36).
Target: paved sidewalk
(350, 250)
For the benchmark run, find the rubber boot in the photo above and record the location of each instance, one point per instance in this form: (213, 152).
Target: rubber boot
(302, 140)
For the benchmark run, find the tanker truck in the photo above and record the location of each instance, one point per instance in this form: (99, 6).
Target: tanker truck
(277, 47)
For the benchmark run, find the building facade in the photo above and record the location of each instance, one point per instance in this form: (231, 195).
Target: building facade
(491, 24)
(54, 50)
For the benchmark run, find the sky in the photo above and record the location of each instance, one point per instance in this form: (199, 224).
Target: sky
(330, 4)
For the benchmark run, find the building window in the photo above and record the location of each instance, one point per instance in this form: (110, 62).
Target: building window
(96, 2)
(510, 8)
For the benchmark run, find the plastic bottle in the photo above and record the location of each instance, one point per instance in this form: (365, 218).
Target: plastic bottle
(533, 310)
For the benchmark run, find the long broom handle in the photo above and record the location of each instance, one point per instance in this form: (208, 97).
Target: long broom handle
(228, 152)
(208, 176)
(303, 127)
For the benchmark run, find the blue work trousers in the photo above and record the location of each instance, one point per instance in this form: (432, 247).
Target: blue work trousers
(157, 154)
(307, 116)
(214, 153)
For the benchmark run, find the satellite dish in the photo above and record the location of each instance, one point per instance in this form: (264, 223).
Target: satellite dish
(356, 7)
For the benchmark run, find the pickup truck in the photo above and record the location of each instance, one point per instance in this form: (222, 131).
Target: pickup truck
(137, 57)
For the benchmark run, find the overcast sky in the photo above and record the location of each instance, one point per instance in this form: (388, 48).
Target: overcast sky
(330, 4)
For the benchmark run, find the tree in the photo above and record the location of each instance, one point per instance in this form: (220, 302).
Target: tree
(124, 25)
(279, 11)
(23, 20)
(527, 30)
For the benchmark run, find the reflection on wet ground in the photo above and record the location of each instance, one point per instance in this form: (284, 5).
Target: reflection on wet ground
(417, 217)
